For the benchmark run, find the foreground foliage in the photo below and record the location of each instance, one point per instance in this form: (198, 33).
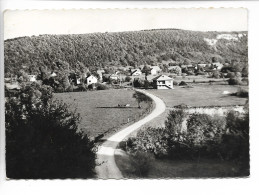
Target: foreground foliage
(42, 137)
(205, 137)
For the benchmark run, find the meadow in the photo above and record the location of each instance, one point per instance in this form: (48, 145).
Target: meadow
(99, 112)
(200, 95)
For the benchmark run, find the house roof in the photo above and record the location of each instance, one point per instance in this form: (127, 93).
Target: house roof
(157, 68)
(100, 71)
(135, 70)
(172, 67)
(91, 75)
(217, 64)
(202, 64)
(114, 75)
(162, 78)
(186, 65)
(12, 86)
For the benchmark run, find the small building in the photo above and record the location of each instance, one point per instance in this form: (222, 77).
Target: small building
(153, 71)
(13, 86)
(202, 65)
(163, 82)
(155, 68)
(136, 72)
(78, 80)
(53, 74)
(100, 73)
(32, 78)
(91, 79)
(114, 77)
(217, 65)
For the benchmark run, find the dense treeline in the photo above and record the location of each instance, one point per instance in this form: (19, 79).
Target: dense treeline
(118, 49)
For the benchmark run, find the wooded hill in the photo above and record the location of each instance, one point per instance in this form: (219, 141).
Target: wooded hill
(121, 49)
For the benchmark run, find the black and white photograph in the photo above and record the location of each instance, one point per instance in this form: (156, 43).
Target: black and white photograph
(126, 93)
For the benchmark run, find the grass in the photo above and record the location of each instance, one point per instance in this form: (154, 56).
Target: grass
(180, 169)
(98, 109)
(200, 95)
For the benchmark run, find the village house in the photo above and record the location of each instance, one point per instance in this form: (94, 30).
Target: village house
(136, 72)
(114, 77)
(163, 82)
(217, 65)
(100, 73)
(53, 74)
(32, 78)
(91, 79)
(155, 70)
(78, 80)
(202, 65)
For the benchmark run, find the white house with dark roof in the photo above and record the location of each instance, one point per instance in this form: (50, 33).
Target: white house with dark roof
(163, 82)
(136, 72)
(32, 78)
(217, 65)
(114, 77)
(155, 69)
(91, 79)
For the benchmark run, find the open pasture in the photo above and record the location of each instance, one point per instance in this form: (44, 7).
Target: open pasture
(200, 95)
(99, 111)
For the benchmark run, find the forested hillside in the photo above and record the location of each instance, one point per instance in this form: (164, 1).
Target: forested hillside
(121, 49)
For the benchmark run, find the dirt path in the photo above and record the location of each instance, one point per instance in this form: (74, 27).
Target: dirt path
(105, 155)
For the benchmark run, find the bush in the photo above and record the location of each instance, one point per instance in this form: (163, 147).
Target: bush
(141, 163)
(231, 75)
(82, 87)
(209, 137)
(70, 89)
(101, 87)
(241, 93)
(43, 139)
(127, 79)
(216, 74)
(235, 81)
(175, 83)
(59, 89)
(182, 83)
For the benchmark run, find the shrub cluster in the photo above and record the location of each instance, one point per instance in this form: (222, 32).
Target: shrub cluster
(204, 136)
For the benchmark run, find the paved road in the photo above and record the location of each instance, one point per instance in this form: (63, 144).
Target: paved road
(105, 155)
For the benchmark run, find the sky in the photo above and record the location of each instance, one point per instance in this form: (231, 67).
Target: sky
(19, 23)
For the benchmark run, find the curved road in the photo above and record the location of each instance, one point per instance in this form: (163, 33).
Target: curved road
(107, 168)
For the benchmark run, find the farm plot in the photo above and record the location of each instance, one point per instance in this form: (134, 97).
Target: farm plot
(99, 109)
(200, 95)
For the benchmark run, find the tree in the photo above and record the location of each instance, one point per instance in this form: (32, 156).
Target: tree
(43, 139)
(215, 74)
(214, 59)
(127, 79)
(174, 122)
(146, 70)
(141, 97)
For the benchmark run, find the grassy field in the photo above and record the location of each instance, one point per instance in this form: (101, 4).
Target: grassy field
(200, 95)
(98, 109)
